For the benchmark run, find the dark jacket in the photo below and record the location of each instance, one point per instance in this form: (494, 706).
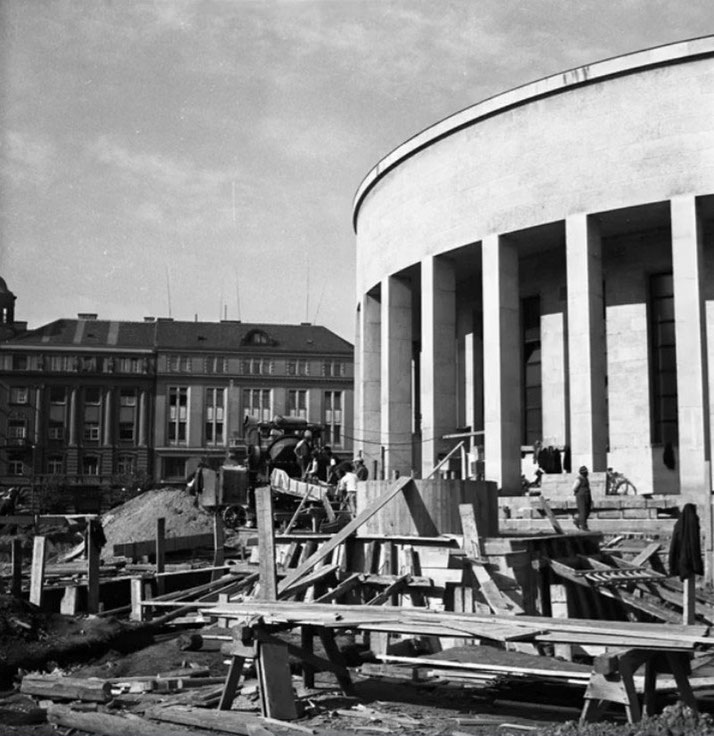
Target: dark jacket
(685, 550)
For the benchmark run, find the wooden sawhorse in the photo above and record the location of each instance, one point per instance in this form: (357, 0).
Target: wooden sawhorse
(254, 641)
(612, 680)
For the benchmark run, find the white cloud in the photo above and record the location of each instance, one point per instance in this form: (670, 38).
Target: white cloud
(27, 159)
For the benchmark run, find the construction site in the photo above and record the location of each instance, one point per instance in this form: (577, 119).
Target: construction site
(415, 606)
(534, 307)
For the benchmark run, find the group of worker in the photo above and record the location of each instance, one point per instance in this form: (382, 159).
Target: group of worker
(319, 464)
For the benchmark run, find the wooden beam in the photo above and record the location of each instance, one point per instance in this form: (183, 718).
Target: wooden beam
(37, 575)
(645, 555)
(469, 526)
(16, 581)
(109, 725)
(266, 543)
(160, 552)
(345, 532)
(230, 721)
(93, 566)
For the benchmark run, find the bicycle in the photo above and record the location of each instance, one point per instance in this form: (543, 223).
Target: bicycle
(618, 484)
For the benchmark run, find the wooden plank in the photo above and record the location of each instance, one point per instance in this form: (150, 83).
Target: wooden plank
(219, 541)
(345, 532)
(644, 556)
(276, 686)
(37, 575)
(215, 720)
(16, 580)
(69, 602)
(472, 538)
(266, 543)
(499, 602)
(689, 602)
(583, 675)
(340, 590)
(544, 506)
(160, 553)
(109, 725)
(309, 580)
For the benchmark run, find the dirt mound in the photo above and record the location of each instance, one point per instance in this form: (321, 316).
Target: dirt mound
(135, 520)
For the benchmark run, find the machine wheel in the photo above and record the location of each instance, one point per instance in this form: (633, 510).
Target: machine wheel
(234, 516)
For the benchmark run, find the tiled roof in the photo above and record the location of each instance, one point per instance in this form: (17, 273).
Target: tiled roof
(171, 335)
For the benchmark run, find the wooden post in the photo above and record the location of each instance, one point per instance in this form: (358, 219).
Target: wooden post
(689, 602)
(137, 597)
(160, 555)
(219, 555)
(266, 543)
(37, 575)
(93, 564)
(69, 602)
(16, 583)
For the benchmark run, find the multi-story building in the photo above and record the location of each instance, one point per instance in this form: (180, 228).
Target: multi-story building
(91, 401)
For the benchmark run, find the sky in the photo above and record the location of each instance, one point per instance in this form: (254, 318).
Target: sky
(199, 158)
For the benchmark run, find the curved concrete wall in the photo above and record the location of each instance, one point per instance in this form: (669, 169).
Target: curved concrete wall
(623, 132)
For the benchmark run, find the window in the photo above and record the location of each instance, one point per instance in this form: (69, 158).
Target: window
(257, 337)
(178, 415)
(127, 415)
(126, 464)
(19, 395)
(87, 364)
(216, 364)
(214, 419)
(19, 362)
(131, 365)
(333, 418)
(179, 363)
(333, 368)
(55, 465)
(258, 403)
(297, 403)
(257, 367)
(62, 363)
(16, 429)
(663, 360)
(90, 465)
(15, 465)
(55, 430)
(532, 381)
(91, 431)
(174, 467)
(298, 368)
(127, 397)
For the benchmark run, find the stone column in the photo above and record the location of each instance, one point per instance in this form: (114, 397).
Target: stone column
(689, 327)
(552, 338)
(368, 413)
(502, 363)
(396, 375)
(143, 417)
(73, 416)
(586, 344)
(438, 359)
(108, 418)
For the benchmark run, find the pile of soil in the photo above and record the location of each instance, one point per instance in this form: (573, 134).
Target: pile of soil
(135, 520)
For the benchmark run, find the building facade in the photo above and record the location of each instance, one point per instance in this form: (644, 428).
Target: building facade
(540, 268)
(92, 402)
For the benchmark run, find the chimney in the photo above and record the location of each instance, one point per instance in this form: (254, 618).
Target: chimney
(149, 319)
(87, 315)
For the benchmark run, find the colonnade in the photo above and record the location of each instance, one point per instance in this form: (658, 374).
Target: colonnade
(574, 348)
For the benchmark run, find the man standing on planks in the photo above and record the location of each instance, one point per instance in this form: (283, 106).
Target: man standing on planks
(583, 498)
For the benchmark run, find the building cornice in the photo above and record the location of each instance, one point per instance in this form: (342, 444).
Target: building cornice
(632, 63)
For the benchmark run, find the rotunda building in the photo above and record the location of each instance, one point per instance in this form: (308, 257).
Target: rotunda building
(538, 270)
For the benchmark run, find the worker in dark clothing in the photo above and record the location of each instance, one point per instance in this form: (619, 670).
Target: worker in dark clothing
(361, 469)
(685, 549)
(583, 498)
